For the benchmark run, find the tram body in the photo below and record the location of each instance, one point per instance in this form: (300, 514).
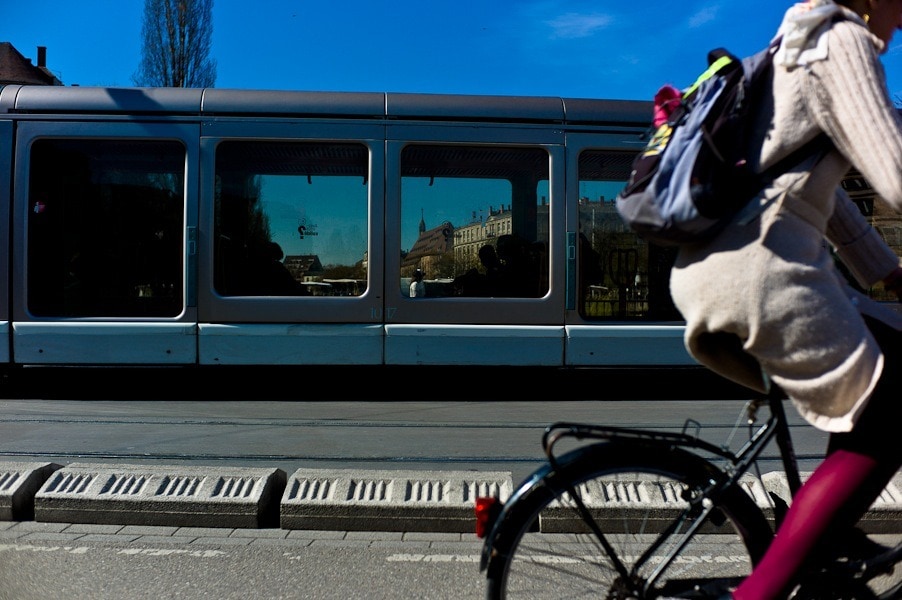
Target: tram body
(167, 226)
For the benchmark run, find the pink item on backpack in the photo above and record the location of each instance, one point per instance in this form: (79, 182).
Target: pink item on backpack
(666, 101)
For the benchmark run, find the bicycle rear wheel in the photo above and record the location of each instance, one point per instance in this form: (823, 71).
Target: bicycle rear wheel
(543, 548)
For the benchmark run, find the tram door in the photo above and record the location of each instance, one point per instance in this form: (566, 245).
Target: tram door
(621, 310)
(291, 229)
(105, 251)
(477, 213)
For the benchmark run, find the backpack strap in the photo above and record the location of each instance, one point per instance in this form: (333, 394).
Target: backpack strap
(720, 61)
(820, 144)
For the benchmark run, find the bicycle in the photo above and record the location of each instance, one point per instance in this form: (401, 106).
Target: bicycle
(642, 514)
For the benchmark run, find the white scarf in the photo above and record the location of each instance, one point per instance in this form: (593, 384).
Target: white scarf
(804, 37)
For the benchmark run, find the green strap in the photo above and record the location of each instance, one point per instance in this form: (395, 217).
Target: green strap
(712, 70)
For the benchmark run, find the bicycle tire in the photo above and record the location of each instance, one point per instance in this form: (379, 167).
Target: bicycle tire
(526, 559)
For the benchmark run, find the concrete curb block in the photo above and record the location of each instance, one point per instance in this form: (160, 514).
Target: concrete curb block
(608, 500)
(884, 516)
(323, 499)
(427, 501)
(180, 496)
(19, 482)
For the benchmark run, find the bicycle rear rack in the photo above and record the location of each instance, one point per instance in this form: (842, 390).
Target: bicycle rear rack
(584, 431)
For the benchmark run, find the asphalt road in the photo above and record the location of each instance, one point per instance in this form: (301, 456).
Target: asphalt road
(251, 421)
(338, 421)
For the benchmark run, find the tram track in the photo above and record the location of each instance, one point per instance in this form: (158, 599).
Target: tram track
(420, 435)
(314, 423)
(290, 463)
(256, 458)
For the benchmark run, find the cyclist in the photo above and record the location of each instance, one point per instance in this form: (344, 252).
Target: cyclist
(765, 303)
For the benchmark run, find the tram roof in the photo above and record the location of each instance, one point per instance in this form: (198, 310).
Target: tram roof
(37, 99)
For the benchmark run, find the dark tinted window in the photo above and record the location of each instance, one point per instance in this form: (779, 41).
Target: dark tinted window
(105, 228)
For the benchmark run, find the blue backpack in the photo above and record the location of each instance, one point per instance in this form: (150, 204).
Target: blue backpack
(694, 175)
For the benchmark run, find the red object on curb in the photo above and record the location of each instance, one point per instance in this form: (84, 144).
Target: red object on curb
(487, 509)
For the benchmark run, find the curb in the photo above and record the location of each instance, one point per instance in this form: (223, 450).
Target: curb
(321, 499)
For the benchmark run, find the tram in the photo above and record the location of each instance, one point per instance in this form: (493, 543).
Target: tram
(160, 226)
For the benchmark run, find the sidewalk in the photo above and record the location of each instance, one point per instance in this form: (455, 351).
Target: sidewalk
(199, 539)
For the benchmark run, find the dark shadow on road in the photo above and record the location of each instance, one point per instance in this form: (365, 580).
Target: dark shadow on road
(381, 383)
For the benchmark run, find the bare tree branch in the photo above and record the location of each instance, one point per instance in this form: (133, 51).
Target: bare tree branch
(178, 39)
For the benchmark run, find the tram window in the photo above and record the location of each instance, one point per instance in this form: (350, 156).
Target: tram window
(105, 228)
(620, 275)
(474, 219)
(291, 218)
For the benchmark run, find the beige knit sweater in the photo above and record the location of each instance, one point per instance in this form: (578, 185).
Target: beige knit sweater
(764, 297)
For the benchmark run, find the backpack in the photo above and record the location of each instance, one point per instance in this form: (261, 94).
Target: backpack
(693, 175)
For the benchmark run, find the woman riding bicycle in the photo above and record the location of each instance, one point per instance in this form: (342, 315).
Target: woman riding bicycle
(765, 303)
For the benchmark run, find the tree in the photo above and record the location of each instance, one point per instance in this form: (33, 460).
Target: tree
(178, 36)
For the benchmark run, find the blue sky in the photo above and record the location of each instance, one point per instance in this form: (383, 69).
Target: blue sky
(569, 48)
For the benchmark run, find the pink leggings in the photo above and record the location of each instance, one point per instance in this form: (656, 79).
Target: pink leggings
(858, 467)
(813, 511)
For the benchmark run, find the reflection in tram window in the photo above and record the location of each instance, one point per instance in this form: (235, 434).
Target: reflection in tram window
(456, 201)
(621, 277)
(291, 208)
(105, 228)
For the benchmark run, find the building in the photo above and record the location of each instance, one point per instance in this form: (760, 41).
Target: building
(469, 238)
(429, 249)
(15, 68)
(304, 267)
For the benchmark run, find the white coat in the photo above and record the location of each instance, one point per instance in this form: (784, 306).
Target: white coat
(765, 297)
